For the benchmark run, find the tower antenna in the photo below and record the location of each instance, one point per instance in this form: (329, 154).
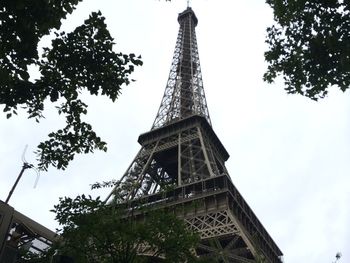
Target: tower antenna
(31, 166)
(24, 167)
(188, 3)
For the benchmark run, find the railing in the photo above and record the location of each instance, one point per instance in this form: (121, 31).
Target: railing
(210, 187)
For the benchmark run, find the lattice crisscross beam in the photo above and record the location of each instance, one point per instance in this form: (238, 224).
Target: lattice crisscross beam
(181, 165)
(181, 154)
(212, 224)
(184, 93)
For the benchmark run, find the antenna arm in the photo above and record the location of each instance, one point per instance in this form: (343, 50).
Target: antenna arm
(24, 167)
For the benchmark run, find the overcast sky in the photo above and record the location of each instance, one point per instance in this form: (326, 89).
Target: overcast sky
(290, 156)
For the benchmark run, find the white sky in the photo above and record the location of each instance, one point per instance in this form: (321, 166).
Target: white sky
(290, 156)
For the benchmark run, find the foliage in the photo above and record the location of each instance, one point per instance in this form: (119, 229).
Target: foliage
(309, 45)
(82, 60)
(31, 257)
(95, 232)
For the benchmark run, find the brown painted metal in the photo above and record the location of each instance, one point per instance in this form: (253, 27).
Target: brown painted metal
(181, 166)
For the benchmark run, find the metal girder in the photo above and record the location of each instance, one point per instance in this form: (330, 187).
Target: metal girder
(184, 93)
(212, 225)
(221, 237)
(214, 208)
(181, 166)
(221, 254)
(181, 158)
(19, 232)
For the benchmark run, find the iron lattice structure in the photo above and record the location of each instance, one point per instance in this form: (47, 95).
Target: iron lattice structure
(181, 166)
(184, 93)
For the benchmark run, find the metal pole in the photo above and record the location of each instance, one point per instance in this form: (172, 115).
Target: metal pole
(24, 167)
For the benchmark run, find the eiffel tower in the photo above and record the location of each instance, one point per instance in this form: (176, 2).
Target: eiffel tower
(181, 164)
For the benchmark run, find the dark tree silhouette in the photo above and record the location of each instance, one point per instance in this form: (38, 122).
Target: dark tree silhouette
(309, 45)
(82, 60)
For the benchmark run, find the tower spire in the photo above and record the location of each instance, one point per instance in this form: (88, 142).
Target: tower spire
(184, 93)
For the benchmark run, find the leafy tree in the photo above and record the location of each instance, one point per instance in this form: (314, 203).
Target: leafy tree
(92, 231)
(95, 232)
(309, 45)
(82, 60)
